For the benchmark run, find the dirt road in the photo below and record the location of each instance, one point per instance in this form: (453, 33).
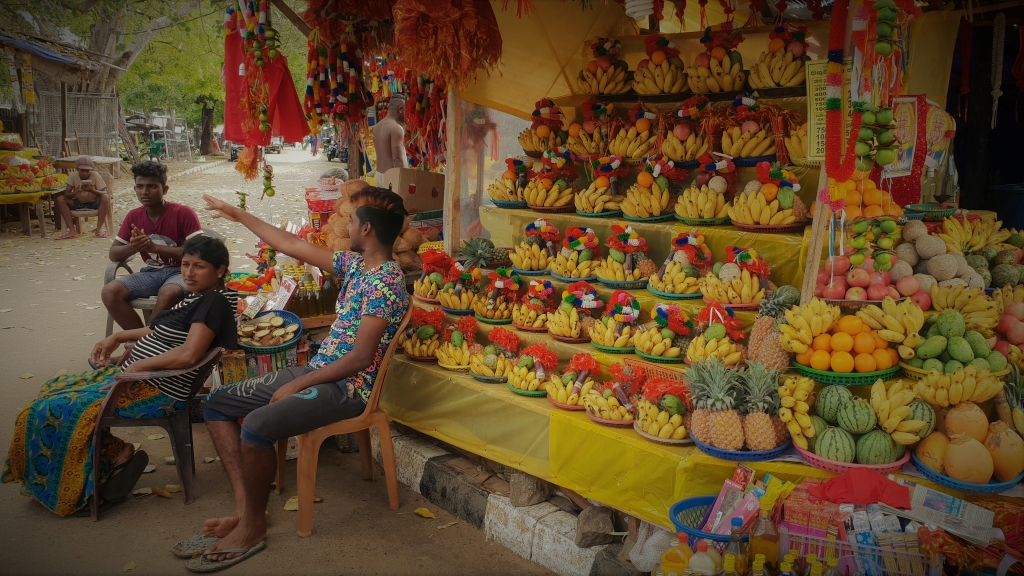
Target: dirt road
(50, 317)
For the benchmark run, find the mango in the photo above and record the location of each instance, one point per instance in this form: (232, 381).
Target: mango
(931, 348)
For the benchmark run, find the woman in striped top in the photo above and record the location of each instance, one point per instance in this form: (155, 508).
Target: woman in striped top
(51, 452)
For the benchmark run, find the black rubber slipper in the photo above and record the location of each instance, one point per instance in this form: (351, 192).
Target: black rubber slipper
(120, 485)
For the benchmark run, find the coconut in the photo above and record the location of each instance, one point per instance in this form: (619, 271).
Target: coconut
(966, 418)
(932, 449)
(974, 280)
(729, 271)
(752, 187)
(1007, 450)
(967, 460)
(930, 247)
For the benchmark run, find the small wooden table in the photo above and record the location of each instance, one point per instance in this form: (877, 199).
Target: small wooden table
(26, 200)
(68, 163)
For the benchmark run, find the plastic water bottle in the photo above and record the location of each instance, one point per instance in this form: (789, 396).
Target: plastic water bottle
(701, 563)
(737, 548)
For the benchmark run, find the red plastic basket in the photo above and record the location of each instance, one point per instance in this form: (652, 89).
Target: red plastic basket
(842, 467)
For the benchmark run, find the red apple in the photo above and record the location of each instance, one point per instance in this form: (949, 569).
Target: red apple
(750, 127)
(893, 292)
(702, 178)
(823, 276)
(604, 62)
(856, 293)
(868, 264)
(819, 290)
(1016, 334)
(835, 290)
(1015, 309)
(877, 292)
(908, 285)
(878, 277)
(589, 126)
(1003, 348)
(702, 59)
(1020, 255)
(1005, 323)
(858, 277)
(923, 299)
(838, 265)
(681, 131)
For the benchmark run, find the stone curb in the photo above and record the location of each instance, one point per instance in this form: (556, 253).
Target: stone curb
(195, 170)
(541, 533)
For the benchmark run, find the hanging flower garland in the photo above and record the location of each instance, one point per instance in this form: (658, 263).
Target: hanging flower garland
(583, 297)
(672, 317)
(541, 228)
(747, 259)
(838, 166)
(538, 296)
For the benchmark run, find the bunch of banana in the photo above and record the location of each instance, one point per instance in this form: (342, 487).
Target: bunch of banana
(522, 315)
(1015, 356)
(796, 398)
(892, 407)
(613, 270)
(779, 69)
(973, 235)
(644, 202)
(456, 299)
(1008, 295)
(630, 144)
(675, 280)
(796, 142)
(678, 150)
(524, 378)
(603, 81)
(575, 266)
(706, 346)
(536, 194)
(501, 309)
(531, 142)
(740, 144)
(505, 190)
(743, 289)
(701, 202)
(654, 343)
(606, 408)
(804, 322)
(596, 200)
(420, 347)
(564, 325)
(966, 384)
(664, 78)
(560, 388)
(898, 323)
(531, 256)
(754, 209)
(604, 334)
(586, 144)
(428, 286)
(493, 365)
(980, 312)
(657, 422)
(716, 78)
(451, 355)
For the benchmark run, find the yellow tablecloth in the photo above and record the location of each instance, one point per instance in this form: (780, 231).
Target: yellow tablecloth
(20, 197)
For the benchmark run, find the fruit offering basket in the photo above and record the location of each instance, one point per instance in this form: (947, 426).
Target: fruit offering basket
(649, 199)
(423, 336)
(662, 72)
(454, 354)
(545, 132)
(739, 281)
(270, 331)
(750, 140)
(932, 212)
(635, 139)
(685, 142)
(660, 412)
(494, 306)
(770, 203)
(616, 330)
(574, 318)
(720, 67)
(529, 376)
(627, 265)
(679, 276)
(602, 199)
(717, 333)
(588, 141)
(664, 339)
(575, 261)
(436, 263)
(531, 313)
(507, 192)
(460, 289)
(551, 189)
(606, 74)
(535, 253)
(567, 391)
(704, 205)
(612, 404)
(843, 467)
(783, 63)
(494, 362)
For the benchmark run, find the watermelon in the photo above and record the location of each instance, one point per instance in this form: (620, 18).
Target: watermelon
(921, 410)
(856, 417)
(820, 426)
(876, 447)
(829, 400)
(836, 444)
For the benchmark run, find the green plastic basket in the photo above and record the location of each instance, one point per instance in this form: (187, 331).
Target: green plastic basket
(612, 349)
(289, 318)
(494, 321)
(530, 393)
(661, 359)
(932, 212)
(841, 379)
(723, 221)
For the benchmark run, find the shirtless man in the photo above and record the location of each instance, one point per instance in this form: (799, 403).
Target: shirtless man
(389, 139)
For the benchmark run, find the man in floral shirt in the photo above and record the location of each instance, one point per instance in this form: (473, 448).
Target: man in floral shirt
(334, 386)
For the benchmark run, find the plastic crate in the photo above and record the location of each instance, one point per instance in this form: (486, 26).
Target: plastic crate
(428, 245)
(854, 558)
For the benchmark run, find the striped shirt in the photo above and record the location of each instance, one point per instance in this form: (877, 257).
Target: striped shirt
(215, 309)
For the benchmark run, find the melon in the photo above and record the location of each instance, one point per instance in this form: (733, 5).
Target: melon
(820, 426)
(876, 447)
(967, 418)
(921, 410)
(856, 417)
(836, 444)
(1007, 450)
(967, 460)
(932, 450)
(829, 400)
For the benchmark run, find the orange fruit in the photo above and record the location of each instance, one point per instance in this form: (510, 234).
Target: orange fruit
(864, 363)
(645, 179)
(822, 342)
(592, 66)
(842, 362)
(546, 183)
(863, 343)
(872, 197)
(882, 359)
(542, 130)
(601, 182)
(770, 191)
(895, 210)
(865, 329)
(852, 212)
(776, 44)
(842, 342)
(879, 342)
(850, 324)
(894, 355)
(643, 125)
(718, 53)
(821, 360)
(805, 357)
(853, 197)
(657, 57)
(509, 175)
(574, 130)
(873, 211)
(850, 185)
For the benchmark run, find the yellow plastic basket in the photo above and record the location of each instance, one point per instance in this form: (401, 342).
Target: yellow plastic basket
(919, 374)
(428, 245)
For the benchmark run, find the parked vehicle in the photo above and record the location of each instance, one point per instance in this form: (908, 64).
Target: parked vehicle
(276, 145)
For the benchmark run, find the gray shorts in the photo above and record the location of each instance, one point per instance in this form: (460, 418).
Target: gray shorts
(264, 423)
(148, 281)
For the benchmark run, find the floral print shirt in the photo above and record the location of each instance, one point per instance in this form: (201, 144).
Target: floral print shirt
(376, 292)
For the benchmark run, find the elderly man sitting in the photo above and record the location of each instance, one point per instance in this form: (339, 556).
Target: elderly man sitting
(86, 191)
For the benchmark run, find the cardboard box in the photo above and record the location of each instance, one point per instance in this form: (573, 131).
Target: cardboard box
(430, 224)
(421, 191)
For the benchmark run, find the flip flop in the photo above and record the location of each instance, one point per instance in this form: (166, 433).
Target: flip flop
(197, 544)
(121, 485)
(201, 564)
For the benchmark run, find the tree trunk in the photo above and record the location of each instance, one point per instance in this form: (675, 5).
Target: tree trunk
(206, 132)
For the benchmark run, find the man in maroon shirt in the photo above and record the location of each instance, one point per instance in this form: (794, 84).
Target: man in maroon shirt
(157, 230)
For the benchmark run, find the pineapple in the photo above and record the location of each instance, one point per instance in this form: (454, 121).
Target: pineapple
(764, 336)
(781, 431)
(1014, 400)
(699, 423)
(761, 388)
(800, 212)
(480, 252)
(646, 266)
(721, 387)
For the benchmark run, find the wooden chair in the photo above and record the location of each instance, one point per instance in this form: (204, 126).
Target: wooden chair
(178, 425)
(77, 215)
(309, 444)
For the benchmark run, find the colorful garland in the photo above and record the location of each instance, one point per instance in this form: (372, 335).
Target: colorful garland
(623, 307)
(579, 239)
(466, 326)
(717, 313)
(538, 296)
(547, 113)
(837, 165)
(505, 340)
(583, 297)
(626, 240)
(693, 246)
(436, 260)
(747, 259)
(672, 317)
